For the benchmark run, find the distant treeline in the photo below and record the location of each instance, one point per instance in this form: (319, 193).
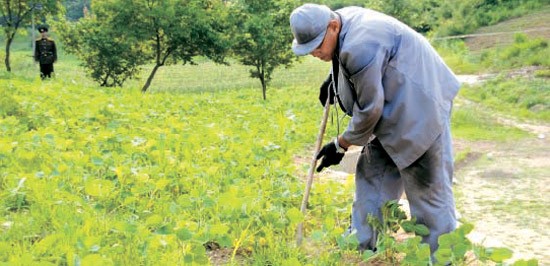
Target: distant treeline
(440, 17)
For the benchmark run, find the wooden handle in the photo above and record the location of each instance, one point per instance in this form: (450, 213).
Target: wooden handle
(300, 229)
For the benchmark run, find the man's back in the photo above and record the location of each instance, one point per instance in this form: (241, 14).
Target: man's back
(385, 57)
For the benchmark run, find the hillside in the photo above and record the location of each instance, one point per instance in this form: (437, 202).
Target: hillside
(533, 25)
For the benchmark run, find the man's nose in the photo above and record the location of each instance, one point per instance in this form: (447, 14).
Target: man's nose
(315, 53)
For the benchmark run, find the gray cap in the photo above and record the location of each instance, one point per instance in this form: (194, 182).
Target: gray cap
(309, 24)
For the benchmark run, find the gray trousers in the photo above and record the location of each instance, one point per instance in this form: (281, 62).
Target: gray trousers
(426, 183)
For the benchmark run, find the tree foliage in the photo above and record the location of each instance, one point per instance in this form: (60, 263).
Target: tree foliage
(76, 9)
(109, 55)
(263, 38)
(15, 14)
(176, 31)
(128, 34)
(454, 18)
(123, 35)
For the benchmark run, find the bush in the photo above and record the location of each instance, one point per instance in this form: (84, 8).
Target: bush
(523, 52)
(455, 18)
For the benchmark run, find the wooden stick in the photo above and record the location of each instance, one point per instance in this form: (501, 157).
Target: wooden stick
(300, 229)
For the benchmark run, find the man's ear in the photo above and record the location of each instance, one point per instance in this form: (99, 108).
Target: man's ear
(334, 25)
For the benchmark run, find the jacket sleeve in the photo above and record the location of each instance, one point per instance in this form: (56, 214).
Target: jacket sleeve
(54, 52)
(369, 104)
(36, 55)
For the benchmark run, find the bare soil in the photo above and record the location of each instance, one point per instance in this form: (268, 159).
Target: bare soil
(502, 189)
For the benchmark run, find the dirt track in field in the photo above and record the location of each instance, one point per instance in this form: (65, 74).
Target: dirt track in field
(502, 189)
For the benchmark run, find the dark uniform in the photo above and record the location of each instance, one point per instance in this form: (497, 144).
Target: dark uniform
(45, 53)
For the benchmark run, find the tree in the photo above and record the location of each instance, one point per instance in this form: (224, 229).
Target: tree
(15, 14)
(109, 55)
(123, 35)
(177, 31)
(263, 40)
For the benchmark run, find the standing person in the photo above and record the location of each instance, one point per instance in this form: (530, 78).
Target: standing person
(397, 89)
(45, 53)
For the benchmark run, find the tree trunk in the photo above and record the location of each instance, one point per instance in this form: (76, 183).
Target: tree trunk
(7, 59)
(150, 78)
(264, 86)
(261, 75)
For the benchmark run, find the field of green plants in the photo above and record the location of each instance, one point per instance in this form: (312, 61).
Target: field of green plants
(112, 176)
(117, 177)
(194, 173)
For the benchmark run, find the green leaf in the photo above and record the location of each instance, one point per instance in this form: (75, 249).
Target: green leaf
(291, 262)
(424, 251)
(225, 241)
(408, 226)
(295, 215)
(154, 220)
(184, 234)
(444, 240)
(99, 188)
(499, 254)
(95, 259)
(198, 254)
(443, 254)
(465, 229)
(460, 249)
(317, 235)
(367, 254)
(421, 229)
(97, 161)
(219, 229)
(531, 262)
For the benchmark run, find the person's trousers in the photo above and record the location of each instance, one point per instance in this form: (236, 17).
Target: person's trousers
(427, 184)
(46, 70)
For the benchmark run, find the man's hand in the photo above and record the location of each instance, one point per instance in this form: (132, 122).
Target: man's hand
(330, 156)
(326, 90)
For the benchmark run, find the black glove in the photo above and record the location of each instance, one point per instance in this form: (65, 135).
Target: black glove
(330, 156)
(326, 90)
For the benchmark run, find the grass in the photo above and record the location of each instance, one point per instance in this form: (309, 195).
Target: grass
(475, 123)
(535, 20)
(208, 76)
(527, 98)
(495, 53)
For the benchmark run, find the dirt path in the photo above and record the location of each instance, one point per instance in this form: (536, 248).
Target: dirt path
(502, 189)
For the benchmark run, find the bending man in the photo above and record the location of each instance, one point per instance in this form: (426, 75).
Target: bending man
(396, 88)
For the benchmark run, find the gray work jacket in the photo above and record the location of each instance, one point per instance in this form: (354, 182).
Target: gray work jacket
(393, 84)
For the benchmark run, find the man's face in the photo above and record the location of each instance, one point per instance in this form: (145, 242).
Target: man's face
(43, 33)
(327, 47)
